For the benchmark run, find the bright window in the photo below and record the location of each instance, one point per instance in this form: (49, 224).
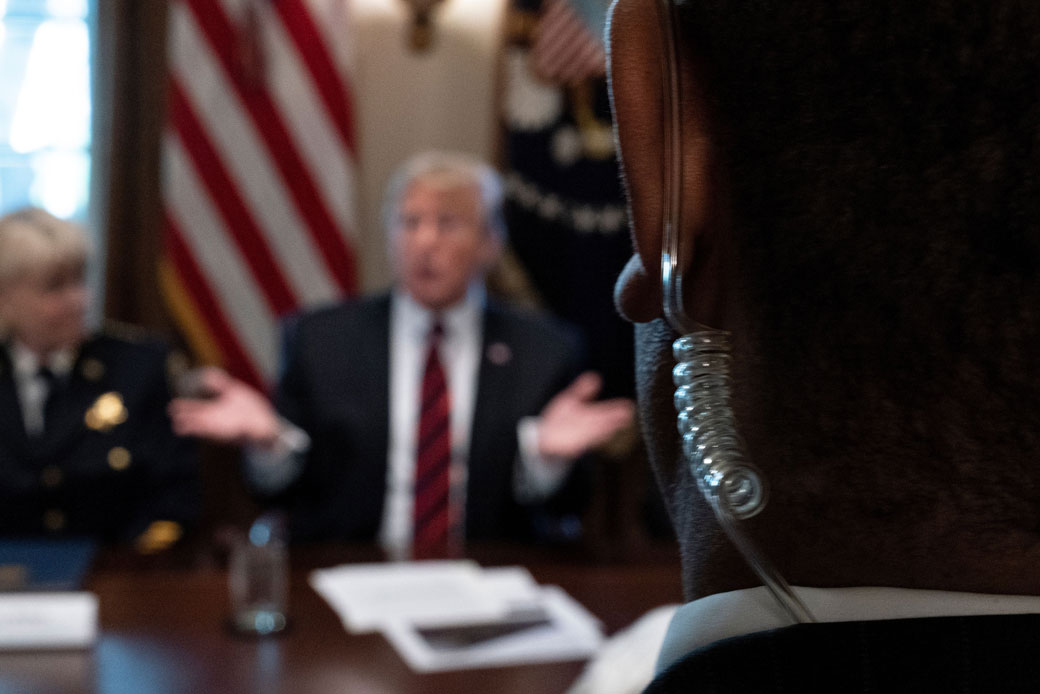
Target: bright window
(45, 105)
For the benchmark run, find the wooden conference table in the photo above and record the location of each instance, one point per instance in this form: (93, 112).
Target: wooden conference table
(163, 632)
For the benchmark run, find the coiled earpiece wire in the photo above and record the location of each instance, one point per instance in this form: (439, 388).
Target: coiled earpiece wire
(712, 448)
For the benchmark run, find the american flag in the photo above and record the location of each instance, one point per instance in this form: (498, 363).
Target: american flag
(565, 50)
(259, 174)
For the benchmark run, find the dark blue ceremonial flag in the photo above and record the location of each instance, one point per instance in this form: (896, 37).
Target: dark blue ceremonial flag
(564, 202)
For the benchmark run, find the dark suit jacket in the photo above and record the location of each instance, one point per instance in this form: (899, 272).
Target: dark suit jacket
(336, 387)
(962, 655)
(96, 475)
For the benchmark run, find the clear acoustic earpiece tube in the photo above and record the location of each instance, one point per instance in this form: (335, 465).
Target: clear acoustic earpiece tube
(732, 486)
(712, 448)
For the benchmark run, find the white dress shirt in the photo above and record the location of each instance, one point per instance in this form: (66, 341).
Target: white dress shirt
(743, 612)
(31, 386)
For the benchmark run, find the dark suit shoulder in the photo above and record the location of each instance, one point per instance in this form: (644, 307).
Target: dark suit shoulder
(139, 356)
(128, 334)
(134, 344)
(536, 326)
(339, 313)
(968, 654)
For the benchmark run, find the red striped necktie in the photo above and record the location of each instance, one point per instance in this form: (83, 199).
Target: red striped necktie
(431, 536)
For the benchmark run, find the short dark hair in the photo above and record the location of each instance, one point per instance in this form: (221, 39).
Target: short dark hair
(883, 162)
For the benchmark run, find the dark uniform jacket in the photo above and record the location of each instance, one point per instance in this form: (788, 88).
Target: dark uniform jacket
(336, 387)
(968, 655)
(108, 465)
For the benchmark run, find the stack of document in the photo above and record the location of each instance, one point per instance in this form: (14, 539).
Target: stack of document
(454, 614)
(42, 603)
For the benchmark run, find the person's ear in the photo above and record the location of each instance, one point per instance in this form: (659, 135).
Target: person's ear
(491, 250)
(5, 311)
(635, 66)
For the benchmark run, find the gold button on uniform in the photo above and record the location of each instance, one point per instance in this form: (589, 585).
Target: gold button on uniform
(92, 369)
(51, 476)
(119, 458)
(53, 520)
(159, 536)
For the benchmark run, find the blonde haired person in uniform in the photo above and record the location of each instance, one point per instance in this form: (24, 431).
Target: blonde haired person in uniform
(86, 447)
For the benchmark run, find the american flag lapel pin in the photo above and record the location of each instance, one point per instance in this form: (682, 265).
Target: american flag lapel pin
(499, 353)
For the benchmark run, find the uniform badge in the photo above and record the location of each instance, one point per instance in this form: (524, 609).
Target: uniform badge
(107, 412)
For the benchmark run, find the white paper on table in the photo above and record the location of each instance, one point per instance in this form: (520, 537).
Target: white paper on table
(513, 586)
(568, 632)
(40, 620)
(367, 596)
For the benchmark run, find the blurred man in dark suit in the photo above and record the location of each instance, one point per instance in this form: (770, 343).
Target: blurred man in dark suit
(86, 447)
(344, 446)
(860, 209)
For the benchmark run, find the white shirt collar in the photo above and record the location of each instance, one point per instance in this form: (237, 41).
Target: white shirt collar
(26, 362)
(742, 612)
(456, 319)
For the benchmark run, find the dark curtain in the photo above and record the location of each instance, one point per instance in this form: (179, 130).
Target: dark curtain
(129, 112)
(129, 108)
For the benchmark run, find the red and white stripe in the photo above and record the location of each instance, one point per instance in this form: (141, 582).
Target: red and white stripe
(258, 174)
(564, 50)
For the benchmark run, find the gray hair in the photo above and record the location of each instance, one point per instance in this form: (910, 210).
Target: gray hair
(32, 238)
(448, 170)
